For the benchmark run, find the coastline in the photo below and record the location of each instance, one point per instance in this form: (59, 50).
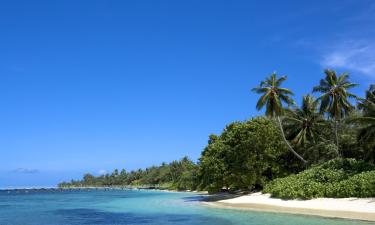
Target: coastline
(342, 208)
(91, 188)
(345, 208)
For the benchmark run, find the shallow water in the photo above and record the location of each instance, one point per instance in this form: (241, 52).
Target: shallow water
(117, 207)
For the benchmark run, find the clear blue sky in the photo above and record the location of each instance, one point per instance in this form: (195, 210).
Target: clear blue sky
(88, 86)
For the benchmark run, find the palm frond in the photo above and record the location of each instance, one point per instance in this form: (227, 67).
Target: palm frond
(280, 80)
(260, 90)
(285, 91)
(262, 101)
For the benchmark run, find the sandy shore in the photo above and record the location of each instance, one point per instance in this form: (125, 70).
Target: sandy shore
(347, 208)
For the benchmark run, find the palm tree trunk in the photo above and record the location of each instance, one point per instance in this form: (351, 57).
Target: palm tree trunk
(287, 142)
(367, 155)
(337, 138)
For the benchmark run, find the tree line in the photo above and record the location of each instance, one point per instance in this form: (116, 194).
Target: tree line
(179, 175)
(288, 139)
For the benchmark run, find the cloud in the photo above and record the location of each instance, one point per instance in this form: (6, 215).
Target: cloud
(356, 56)
(25, 171)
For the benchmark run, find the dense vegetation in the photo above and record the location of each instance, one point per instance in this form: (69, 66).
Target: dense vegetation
(179, 175)
(335, 178)
(324, 148)
(245, 156)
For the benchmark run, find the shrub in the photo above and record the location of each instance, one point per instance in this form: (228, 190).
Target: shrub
(339, 178)
(245, 156)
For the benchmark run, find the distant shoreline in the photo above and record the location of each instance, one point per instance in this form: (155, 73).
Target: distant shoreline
(128, 188)
(83, 187)
(77, 188)
(345, 208)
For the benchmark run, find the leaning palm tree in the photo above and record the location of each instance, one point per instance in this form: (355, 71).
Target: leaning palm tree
(304, 124)
(366, 135)
(273, 97)
(335, 97)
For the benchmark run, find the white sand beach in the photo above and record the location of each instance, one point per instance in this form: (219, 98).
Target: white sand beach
(348, 208)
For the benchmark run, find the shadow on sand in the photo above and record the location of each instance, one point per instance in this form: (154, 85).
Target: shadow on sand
(211, 197)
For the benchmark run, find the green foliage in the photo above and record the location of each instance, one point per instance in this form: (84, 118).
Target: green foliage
(273, 95)
(245, 156)
(337, 178)
(254, 154)
(181, 175)
(366, 123)
(272, 98)
(335, 94)
(319, 152)
(303, 125)
(188, 179)
(360, 185)
(334, 100)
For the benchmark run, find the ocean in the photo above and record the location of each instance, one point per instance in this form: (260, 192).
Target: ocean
(133, 207)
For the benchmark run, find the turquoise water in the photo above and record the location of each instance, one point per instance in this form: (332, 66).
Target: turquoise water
(117, 207)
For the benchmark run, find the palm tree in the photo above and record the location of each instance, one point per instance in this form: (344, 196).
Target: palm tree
(366, 104)
(335, 97)
(273, 97)
(366, 135)
(304, 124)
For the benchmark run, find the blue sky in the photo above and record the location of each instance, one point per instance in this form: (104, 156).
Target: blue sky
(89, 86)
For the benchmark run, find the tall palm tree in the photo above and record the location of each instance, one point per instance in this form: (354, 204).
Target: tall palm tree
(273, 97)
(366, 135)
(304, 124)
(335, 97)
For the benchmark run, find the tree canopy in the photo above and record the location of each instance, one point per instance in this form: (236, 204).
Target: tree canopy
(261, 151)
